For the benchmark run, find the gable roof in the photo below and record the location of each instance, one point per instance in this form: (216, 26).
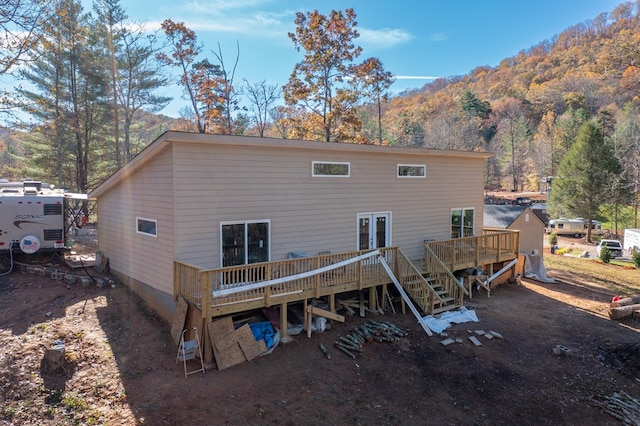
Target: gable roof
(165, 141)
(540, 210)
(499, 216)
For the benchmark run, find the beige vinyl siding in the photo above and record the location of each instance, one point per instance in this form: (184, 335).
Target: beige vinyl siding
(220, 183)
(148, 193)
(531, 232)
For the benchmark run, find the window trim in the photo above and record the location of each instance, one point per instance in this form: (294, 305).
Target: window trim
(154, 221)
(245, 223)
(314, 174)
(422, 166)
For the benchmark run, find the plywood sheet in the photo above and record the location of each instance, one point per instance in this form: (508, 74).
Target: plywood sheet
(226, 349)
(178, 320)
(248, 343)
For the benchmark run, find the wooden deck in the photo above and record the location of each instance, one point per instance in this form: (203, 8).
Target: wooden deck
(430, 284)
(494, 246)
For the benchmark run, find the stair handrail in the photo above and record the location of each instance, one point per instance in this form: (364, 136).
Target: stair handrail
(444, 269)
(417, 272)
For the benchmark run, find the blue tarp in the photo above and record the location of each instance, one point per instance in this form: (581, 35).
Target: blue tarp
(264, 331)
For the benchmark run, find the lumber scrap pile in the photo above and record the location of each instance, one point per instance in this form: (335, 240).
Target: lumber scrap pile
(625, 307)
(621, 406)
(370, 331)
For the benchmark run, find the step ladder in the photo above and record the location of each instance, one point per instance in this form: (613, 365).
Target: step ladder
(188, 350)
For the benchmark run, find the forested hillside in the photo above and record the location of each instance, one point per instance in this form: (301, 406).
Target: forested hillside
(529, 108)
(94, 93)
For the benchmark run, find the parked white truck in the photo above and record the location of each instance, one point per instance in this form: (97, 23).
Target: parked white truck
(631, 239)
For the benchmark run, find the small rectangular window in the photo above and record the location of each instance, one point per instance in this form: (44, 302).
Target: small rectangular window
(327, 168)
(147, 226)
(412, 170)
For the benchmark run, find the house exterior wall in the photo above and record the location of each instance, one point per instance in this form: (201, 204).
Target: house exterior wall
(190, 183)
(137, 259)
(309, 214)
(531, 232)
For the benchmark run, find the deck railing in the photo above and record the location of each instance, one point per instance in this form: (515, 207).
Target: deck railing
(495, 245)
(442, 275)
(240, 285)
(414, 283)
(234, 284)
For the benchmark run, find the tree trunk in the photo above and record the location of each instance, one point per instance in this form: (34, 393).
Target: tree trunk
(633, 300)
(623, 311)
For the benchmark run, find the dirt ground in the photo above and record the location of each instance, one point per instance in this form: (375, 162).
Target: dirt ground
(120, 364)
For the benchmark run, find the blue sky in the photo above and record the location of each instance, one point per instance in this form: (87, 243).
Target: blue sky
(414, 39)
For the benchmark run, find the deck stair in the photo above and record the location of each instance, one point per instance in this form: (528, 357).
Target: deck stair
(434, 293)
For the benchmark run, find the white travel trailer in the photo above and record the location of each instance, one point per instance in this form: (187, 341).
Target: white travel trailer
(33, 218)
(577, 227)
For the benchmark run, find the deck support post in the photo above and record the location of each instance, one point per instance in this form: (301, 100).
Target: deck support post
(385, 297)
(205, 281)
(284, 334)
(373, 293)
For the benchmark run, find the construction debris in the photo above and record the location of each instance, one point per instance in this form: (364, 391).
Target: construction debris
(626, 307)
(475, 340)
(624, 311)
(561, 350)
(621, 406)
(369, 331)
(324, 351)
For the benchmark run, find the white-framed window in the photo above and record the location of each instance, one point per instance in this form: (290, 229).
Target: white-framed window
(245, 242)
(462, 222)
(147, 226)
(330, 169)
(412, 171)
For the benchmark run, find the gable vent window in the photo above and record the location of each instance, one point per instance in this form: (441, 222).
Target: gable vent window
(332, 169)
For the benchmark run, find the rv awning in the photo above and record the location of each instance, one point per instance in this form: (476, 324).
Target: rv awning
(75, 196)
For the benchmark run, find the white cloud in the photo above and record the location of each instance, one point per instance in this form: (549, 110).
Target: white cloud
(235, 17)
(415, 77)
(438, 37)
(383, 38)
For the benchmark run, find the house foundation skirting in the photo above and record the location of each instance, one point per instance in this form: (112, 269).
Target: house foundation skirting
(162, 303)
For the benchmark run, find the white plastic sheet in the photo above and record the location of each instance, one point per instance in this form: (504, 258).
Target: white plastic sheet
(441, 322)
(534, 269)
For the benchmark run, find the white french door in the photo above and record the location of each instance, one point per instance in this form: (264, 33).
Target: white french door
(374, 230)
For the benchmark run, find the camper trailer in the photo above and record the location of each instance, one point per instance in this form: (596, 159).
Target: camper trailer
(33, 218)
(577, 227)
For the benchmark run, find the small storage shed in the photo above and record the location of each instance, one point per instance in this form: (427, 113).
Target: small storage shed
(520, 218)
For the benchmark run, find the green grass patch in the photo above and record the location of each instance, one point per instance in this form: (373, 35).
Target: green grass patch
(620, 277)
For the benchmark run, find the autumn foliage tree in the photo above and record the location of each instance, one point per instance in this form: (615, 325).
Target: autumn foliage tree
(184, 52)
(327, 83)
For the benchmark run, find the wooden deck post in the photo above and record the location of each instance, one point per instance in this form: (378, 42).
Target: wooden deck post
(373, 303)
(284, 333)
(205, 280)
